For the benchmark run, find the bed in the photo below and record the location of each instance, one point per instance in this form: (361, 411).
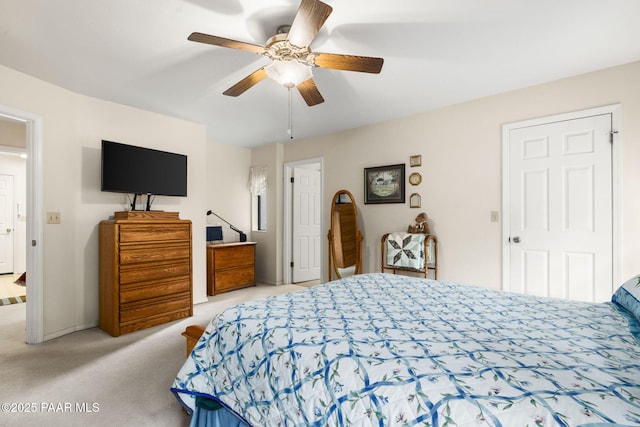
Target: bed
(390, 350)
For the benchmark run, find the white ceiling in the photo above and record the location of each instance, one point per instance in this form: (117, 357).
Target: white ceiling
(437, 53)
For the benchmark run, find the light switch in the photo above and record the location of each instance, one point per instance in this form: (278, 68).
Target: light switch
(494, 216)
(53, 217)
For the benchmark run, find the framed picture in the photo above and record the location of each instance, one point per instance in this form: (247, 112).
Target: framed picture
(384, 184)
(415, 160)
(415, 178)
(415, 200)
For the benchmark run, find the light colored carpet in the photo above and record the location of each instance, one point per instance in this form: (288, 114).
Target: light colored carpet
(91, 378)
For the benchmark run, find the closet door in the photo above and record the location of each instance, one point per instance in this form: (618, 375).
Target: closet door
(560, 198)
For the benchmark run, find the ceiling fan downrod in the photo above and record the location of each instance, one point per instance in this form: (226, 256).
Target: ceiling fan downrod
(290, 130)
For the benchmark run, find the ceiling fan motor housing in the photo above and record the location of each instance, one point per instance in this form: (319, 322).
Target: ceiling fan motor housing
(278, 48)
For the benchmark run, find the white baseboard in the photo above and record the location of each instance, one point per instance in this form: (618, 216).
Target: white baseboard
(76, 328)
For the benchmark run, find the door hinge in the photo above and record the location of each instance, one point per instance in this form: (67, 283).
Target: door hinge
(292, 180)
(291, 264)
(613, 132)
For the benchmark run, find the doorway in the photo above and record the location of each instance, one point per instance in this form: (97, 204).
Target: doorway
(303, 223)
(7, 214)
(560, 205)
(13, 154)
(12, 214)
(34, 220)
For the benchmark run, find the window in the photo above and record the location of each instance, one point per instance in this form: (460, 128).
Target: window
(262, 212)
(258, 188)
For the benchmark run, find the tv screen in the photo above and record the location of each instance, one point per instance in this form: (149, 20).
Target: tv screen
(138, 170)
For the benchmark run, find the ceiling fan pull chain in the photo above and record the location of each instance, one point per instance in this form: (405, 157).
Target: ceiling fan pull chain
(290, 130)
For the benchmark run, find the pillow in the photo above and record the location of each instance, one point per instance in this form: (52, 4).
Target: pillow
(628, 296)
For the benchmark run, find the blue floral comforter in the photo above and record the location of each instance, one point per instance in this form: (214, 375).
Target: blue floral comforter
(388, 350)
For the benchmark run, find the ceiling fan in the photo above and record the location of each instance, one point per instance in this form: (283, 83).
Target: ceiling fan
(291, 55)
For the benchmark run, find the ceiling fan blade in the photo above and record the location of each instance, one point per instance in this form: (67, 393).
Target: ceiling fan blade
(364, 64)
(221, 41)
(247, 83)
(309, 19)
(310, 92)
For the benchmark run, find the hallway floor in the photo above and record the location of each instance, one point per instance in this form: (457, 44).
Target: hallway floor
(8, 288)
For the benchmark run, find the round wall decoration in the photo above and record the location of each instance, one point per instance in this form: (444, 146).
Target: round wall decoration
(415, 178)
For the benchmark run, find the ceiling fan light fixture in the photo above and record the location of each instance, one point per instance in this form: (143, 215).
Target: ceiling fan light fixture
(289, 73)
(291, 55)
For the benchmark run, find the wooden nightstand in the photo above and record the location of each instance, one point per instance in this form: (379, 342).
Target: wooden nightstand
(230, 266)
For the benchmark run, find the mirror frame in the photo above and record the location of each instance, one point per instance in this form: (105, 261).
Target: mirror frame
(334, 246)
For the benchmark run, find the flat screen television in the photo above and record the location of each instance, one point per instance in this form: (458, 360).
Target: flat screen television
(139, 170)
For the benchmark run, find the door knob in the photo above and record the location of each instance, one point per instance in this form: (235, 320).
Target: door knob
(9, 230)
(516, 239)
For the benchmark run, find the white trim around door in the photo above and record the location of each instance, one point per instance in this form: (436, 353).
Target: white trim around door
(35, 222)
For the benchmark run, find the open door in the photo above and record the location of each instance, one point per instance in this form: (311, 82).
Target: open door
(306, 224)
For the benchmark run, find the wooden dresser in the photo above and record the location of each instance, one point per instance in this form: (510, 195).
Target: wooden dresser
(230, 266)
(145, 270)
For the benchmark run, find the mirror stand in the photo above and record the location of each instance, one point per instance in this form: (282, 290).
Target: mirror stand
(345, 239)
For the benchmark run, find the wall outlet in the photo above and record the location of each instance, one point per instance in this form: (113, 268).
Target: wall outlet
(494, 216)
(53, 217)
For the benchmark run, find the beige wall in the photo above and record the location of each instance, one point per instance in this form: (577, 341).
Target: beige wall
(227, 191)
(461, 168)
(269, 248)
(12, 134)
(73, 126)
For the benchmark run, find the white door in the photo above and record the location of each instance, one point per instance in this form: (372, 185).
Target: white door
(306, 225)
(6, 224)
(561, 209)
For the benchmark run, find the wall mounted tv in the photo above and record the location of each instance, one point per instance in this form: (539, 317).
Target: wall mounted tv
(139, 170)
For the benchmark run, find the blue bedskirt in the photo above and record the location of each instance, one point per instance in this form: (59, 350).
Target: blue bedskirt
(211, 414)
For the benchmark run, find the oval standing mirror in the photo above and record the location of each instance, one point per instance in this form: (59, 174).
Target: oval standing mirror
(345, 239)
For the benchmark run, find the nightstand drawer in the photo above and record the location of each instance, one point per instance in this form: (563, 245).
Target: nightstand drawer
(234, 257)
(233, 278)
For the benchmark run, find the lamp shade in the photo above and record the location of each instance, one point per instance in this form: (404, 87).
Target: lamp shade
(288, 73)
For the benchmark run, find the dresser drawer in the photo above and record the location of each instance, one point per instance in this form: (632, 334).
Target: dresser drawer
(135, 233)
(149, 253)
(141, 310)
(154, 272)
(233, 278)
(157, 319)
(234, 257)
(131, 293)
